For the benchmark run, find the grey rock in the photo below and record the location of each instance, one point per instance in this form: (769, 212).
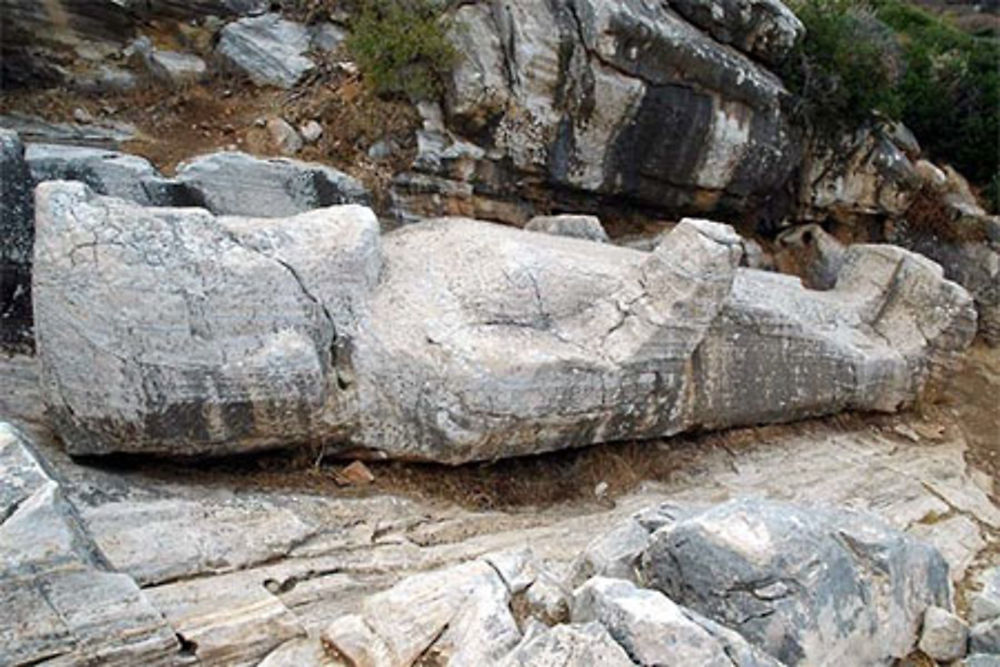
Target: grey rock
(548, 600)
(803, 585)
(58, 601)
(613, 554)
(459, 615)
(176, 68)
(985, 603)
(981, 660)
(36, 130)
(380, 150)
(944, 635)
(195, 271)
(575, 645)
(766, 29)
(649, 626)
(105, 79)
(457, 340)
(311, 132)
(105, 172)
(268, 49)
(809, 252)
(232, 183)
(284, 136)
(17, 233)
(575, 226)
(327, 36)
(984, 637)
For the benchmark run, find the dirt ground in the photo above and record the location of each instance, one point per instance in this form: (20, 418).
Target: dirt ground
(226, 113)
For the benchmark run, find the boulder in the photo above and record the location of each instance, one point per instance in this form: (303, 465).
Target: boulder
(232, 183)
(804, 585)
(237, 323)
(270, 50)
(106, 134)
(575, 226)
(17, 233)
(944, 635)
(106, 172)
(451, 340)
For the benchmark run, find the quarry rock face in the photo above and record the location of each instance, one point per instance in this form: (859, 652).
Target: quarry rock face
(179, 332)
(627, 99)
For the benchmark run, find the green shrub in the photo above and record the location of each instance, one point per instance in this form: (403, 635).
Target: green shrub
(907, 64)
(402, 46)
(846, 67)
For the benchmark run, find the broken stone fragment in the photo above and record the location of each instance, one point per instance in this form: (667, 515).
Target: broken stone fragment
(575, 226)
(944, 635)
(270, 50)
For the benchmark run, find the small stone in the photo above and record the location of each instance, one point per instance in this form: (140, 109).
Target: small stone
(985, 637)
(284, 136)
(601, 490)
(357, 474)
(81, 115)
(576, 226)
(380, 150)
(944, 635)
(311, 132)
(985, 604)
(906, 432)
(930, 431)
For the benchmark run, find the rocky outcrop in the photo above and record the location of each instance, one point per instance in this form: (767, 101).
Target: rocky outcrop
(174, 331)
(59, 600)
(623, 100)
(17, 232)
(745, 583)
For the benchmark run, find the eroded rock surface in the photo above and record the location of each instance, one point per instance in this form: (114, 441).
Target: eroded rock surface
(17, 233)
(452, 340)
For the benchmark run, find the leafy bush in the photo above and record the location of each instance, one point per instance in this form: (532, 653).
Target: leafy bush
(907, 64)
(402, 46)
(846, 66)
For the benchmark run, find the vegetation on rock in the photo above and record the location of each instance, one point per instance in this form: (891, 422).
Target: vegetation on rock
(401, 46)
(907, 64)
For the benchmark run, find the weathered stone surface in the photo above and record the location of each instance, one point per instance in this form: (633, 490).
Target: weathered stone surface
(232, 183)
(615, 554)
(802, 585)
(981, 660)
(240, 348)
(17, 233)
(176, 68)
(765, 29)
(284, 136)
(452, 340)
(984, 637)
(58, 601)
(649, 626)
(575, 226)
(985, 603)
(105, 172)
(98, 135)
(624, 99)
(944, 635)
(268, 49)
(459, 614)
(576, 645)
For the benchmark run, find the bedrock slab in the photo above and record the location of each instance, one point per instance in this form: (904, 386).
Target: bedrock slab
(178, 332)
